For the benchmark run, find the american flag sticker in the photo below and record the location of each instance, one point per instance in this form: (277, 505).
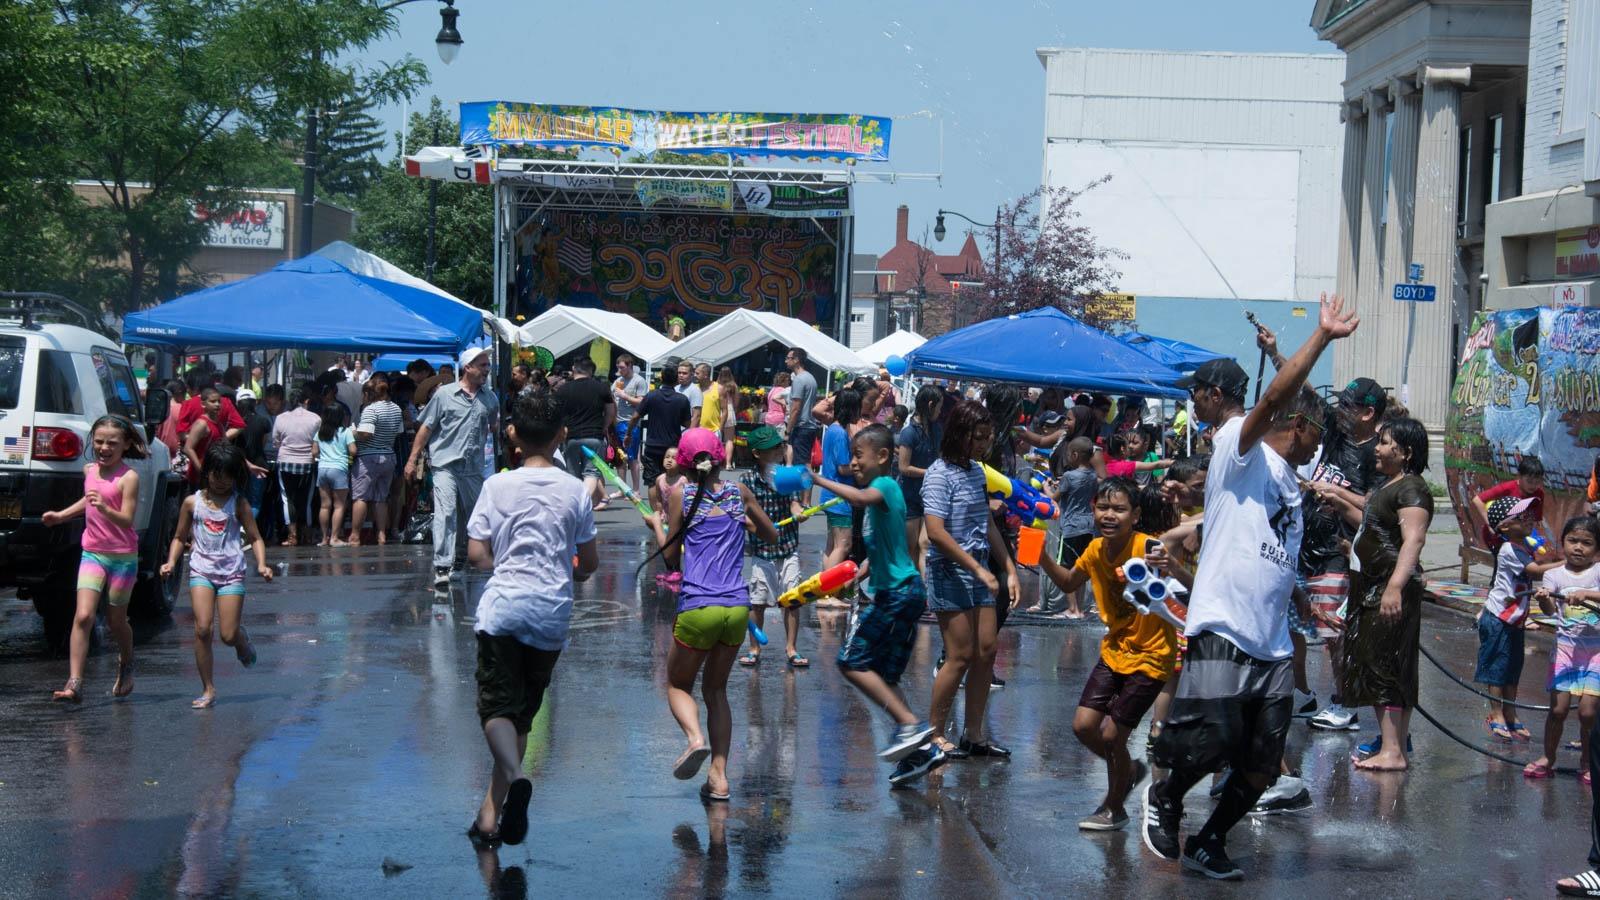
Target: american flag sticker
(14, 449)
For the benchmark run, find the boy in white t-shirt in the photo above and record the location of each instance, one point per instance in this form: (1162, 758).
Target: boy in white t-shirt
(527, 525)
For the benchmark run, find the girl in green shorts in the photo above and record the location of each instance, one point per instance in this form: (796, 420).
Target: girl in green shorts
(704, 532)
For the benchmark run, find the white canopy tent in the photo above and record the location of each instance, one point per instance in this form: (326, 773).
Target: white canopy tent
(373, 266)
(743, 330)
(898, 343)
(562, 329)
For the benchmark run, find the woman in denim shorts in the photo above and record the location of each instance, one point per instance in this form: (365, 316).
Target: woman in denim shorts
(961, 589)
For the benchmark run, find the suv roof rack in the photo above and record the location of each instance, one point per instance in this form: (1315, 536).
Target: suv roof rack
(32, 306)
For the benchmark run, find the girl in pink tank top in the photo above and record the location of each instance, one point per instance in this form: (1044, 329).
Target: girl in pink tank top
(110, 562)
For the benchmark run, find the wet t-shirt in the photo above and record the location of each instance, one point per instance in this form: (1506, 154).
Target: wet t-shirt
(1349, 465)
(1376, 547)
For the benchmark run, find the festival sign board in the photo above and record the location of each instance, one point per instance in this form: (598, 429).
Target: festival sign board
(639, 131)
(698, 265)
(1578, 252)
(1529, 385)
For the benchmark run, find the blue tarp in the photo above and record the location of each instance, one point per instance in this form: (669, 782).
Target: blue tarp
(1044, 347)
(397, 362)
(309, 304)
(1170, 353)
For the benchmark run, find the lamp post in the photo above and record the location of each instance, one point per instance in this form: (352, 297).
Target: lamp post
(447, 42)
(939, 233)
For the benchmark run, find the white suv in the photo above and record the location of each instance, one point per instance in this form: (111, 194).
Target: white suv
(55, 380)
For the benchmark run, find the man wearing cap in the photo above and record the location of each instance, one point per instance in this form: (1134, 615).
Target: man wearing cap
(1235, 701)
(455, 428)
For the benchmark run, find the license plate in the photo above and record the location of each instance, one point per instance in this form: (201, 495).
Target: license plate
(10, 507)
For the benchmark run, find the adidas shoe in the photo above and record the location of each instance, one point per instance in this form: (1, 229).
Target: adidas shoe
(1159, 824)
(1210, 859)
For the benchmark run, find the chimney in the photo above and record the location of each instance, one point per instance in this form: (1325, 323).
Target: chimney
(902, 218)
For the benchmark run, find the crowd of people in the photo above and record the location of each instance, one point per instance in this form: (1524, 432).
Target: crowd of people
(1300, 520)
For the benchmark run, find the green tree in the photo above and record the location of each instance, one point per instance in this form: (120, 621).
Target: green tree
(350, 138)
(392, 218)
(158, 105)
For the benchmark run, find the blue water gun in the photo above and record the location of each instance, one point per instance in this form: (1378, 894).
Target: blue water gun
(1032, 506)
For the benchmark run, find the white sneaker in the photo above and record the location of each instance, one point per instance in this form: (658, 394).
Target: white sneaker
(1287, 795)
(1335, 718)
(1305, 705)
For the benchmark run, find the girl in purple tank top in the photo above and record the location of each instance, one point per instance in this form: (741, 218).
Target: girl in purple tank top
(218, 525)
(704, 532)
(110, 562)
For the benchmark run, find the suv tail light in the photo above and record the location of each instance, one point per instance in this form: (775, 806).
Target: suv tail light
(56, 444)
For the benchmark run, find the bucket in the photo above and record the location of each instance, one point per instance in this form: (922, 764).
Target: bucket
(1030, 544)
(790, 479)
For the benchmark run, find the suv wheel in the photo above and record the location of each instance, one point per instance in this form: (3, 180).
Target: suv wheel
(154, 596)
(56, 602)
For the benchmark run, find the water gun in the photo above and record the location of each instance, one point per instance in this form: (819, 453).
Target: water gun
(611, 476)
(1030, 505)
(1537, 543)
(823, 584)
(809, 512)
(1151, 594)
(756, 632)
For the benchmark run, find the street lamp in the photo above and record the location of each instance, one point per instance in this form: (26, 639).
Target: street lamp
(447, 42)
(939, 233)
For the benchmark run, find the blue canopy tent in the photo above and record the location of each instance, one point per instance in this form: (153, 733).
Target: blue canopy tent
(1171, 353)
(397, 362)
(311, 303)
(1044, 347)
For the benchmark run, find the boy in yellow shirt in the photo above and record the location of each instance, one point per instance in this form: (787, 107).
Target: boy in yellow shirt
(1136, 655)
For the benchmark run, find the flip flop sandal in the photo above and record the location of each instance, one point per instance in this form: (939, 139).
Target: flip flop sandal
(1588, 885)
(202, 702)
(71, 693)
(707, 795)
(1499, 731)
(1521, 732)
(1573, 745)
(688, 765)
(514, 812)
(1534, 771)
(483, 840)
(750, 659)
(796, 661)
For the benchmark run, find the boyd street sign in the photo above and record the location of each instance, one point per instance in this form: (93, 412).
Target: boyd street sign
(1424, 293)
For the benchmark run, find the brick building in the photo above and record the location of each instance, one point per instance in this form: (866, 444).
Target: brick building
(925, 290)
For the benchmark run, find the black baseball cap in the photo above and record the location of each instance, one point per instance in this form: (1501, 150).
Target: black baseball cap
(1222, 373)
(1365, 392)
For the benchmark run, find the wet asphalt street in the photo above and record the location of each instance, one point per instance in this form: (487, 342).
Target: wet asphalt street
(349, 761)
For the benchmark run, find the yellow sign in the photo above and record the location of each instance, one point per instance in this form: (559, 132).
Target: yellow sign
(1112, 307)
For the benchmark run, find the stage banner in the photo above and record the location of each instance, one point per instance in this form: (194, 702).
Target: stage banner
(640, 131)
(657, 265)
(1529, 385)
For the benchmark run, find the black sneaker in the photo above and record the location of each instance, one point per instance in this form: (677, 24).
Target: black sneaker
(984, 748)
(916, 765)
(441, 576)
(1210, 859)
(1159, 824)
(1288, 794)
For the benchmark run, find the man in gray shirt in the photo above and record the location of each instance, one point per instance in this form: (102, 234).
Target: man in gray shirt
(689, 390)
(455, 428)
(628, 391)
(803, 427)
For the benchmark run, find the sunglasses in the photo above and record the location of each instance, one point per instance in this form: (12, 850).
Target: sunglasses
(1314, 423)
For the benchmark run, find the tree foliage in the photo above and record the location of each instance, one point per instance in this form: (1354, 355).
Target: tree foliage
(350, 139)
(392, 218)
(154, 106)
(1047, 257)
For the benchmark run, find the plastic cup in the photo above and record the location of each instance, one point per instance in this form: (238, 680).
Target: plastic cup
(1030, 544)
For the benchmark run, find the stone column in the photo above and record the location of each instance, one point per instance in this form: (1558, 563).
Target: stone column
(1392, 315)
(1365, 358)
(1432, 367)
(1355, 145)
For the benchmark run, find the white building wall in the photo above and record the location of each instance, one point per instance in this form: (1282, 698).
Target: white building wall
(1218, 161)
(1550, 158)
(862, 311)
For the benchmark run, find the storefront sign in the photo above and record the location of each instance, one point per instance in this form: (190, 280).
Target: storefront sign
(795, 200)
(1529, 385)
(1112, 308)
(636, 131)
(1578, 252)
(257, 225)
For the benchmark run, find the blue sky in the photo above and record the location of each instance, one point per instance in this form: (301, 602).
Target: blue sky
(972, 65)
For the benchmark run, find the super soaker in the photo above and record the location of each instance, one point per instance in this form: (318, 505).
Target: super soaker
(1151, 594)
(823, 584)
(1032, 506)
(611, 476)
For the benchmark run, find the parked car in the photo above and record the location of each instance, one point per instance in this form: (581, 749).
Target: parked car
(56, 378)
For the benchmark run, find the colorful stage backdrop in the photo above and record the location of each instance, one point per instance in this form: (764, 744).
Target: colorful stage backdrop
(699, 266)
(1528, 384)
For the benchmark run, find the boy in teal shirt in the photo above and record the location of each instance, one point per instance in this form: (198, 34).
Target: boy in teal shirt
(884, 628)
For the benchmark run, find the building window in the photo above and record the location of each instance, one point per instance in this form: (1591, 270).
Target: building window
(1583, 31)
(1491, 174)
(858, 318)
(1463, 179)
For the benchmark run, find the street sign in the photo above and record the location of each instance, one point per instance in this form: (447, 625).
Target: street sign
(1414, 272)
(1423, 293)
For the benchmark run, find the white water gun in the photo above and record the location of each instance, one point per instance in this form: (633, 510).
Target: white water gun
(1151, 594)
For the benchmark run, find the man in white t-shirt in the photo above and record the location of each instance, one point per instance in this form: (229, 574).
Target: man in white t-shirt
(689, 390)
(1235, 700)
